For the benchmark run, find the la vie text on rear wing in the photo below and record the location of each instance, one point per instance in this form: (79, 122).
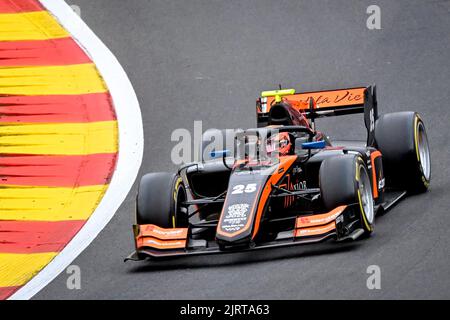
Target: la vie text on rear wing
(328, 104)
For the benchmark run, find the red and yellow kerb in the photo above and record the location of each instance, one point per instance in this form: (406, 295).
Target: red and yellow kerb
(58, 140)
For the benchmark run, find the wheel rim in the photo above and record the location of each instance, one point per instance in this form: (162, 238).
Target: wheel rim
(365, 191)
(424, 151)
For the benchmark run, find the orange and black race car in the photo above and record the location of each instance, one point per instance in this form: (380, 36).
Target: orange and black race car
(284, 183)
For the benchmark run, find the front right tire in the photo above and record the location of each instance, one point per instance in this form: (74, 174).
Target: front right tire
(159, 201)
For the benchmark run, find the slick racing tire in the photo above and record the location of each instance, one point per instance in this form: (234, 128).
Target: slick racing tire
(159, 201)
(344, 180)
(402, 139)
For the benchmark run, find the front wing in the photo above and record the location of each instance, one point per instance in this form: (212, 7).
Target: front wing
(339, 224)
(154, 242)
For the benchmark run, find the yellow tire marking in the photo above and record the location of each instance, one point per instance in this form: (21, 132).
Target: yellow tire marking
(48, 203)
(416, 137)
(358, 159)
(17, 269)
(51, 80)
(363, 213)
(59, 138)
(177, 183)
(416, 144)
(30, 26)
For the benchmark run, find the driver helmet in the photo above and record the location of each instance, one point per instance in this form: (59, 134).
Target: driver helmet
(280, 143)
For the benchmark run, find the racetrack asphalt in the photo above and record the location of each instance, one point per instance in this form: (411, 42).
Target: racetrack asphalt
(208, 60)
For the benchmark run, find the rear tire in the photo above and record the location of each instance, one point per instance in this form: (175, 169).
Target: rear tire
(159, 201)
(344, 180)
(402, 139)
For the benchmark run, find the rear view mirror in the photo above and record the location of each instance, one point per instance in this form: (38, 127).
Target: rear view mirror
(314, 145)
(219, 153)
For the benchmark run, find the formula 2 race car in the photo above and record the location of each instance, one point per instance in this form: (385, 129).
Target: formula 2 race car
(284, 183)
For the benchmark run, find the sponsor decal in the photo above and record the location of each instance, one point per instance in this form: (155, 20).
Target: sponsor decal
(151, 230)
(161, 244)
(301, 185)
(326, 99)
(291, 186)
(314, 231)
(381, 184)
(296, 170)
(320, 219)
(236, 217)
(372, 120)
(264, 105)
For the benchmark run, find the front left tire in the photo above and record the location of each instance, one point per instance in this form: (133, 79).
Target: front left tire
(345, 180)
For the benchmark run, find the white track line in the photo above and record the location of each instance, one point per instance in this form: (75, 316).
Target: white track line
(131, 144)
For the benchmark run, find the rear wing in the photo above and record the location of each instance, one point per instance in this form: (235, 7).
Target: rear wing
(326, 104)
